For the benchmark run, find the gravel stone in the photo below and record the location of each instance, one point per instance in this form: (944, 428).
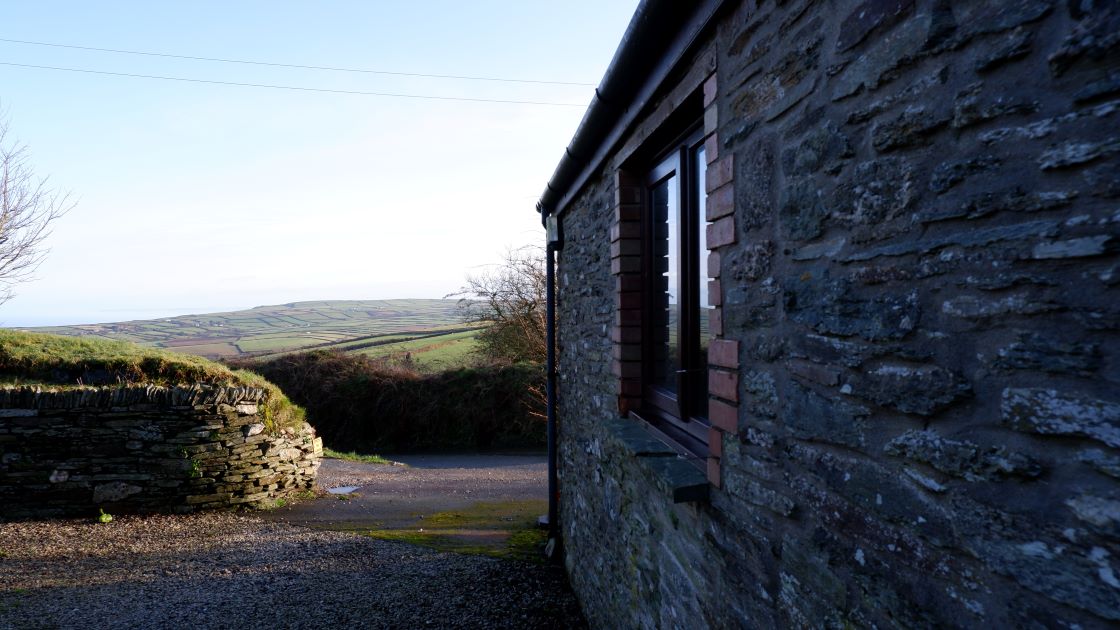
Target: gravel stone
(231, 570)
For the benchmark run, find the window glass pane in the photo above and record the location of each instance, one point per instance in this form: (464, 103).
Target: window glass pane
(666, 299)
(700, 407)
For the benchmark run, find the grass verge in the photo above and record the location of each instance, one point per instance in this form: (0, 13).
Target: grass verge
(351, 456)
(61, 361)
(501, 529)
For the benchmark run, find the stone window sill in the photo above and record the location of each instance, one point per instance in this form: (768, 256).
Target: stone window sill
(682, 479)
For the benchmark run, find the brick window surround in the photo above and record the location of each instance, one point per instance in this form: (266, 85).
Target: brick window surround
(723, 354)
(626, 267)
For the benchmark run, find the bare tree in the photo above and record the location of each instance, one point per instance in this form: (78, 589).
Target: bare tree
(28, 206)
(510, 298)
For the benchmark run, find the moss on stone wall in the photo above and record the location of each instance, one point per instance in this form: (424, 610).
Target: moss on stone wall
(60, 363)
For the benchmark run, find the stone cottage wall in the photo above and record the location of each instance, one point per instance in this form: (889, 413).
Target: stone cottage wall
(145, 448)
(921, 291)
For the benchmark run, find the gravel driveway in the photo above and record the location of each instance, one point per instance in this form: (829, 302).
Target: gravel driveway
(236, 570)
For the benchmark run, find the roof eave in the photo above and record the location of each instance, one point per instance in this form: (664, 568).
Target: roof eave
(659, 34)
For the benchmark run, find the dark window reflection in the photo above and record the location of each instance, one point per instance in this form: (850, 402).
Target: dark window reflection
(666, 263)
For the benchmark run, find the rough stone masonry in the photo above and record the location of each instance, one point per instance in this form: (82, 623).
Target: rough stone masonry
(920, 293)
(144, 448)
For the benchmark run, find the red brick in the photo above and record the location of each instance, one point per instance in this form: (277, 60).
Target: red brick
(626, 404)
(627, 351)
(720, 203)
(715, 293)
(627, 188)
(710, 87)
(628, 299)
(715, 442)
(715, 322)
(627, 212)
(724, 384)
(711, 148)
(713, 471)
(721, 232)
(626, 369)
(626, 247)
(724, 416)
(628, 317)
(626, 264)
(719, 173)
(628, 282)
(630, 387)
(724, 353)
(711, 119)
(626, 229)
(713, 264)
(626, 334)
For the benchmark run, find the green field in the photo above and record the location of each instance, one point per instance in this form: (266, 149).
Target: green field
(427, 332)
(437, 352)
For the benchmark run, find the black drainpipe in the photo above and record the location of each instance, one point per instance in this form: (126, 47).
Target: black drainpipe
(554, 243)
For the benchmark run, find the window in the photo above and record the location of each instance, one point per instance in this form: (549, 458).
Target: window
(675, 329)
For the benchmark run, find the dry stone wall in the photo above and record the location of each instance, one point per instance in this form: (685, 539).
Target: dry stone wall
(145, 448)
(923, 286)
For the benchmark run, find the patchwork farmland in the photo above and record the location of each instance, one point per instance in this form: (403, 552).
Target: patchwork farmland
(428, 332)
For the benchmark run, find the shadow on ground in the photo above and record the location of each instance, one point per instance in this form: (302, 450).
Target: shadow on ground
(485, 504)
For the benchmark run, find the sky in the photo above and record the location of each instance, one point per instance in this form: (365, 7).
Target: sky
(197, 197)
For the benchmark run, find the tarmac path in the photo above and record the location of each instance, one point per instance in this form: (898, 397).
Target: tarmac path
(400, 496)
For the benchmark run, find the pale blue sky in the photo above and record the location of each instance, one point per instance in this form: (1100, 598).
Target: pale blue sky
(196, 197)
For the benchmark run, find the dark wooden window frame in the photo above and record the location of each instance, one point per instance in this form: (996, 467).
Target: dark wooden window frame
(682, 420)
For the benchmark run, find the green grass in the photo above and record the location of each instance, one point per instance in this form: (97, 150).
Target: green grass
(36, 359)
(433, 353)
(457, 353)
(276, 344)
(513, 523)
(351, 456)
(45, 357)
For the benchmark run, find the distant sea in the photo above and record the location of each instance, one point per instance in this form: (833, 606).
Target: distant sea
(104, 316)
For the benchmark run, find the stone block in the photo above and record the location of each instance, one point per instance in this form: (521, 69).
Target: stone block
(1050, 412)
(803, 210)
(877, 64)
(114, 492)
(1101, 461)
(949, 174)
(1050, 571)
(811, 416)
(923, 390)
(1015, 45)
(824, 148)
(783, 85)
(1034, 351)
(1072, 248)
(912, 127)
(755, 493)
(963, 459)
(1074, 153)
(831, 307)
(754, 184)
(869, 16)
(1090, 41)
(980, 308)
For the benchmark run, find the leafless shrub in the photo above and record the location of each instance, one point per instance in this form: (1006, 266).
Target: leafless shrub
(510, 297)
